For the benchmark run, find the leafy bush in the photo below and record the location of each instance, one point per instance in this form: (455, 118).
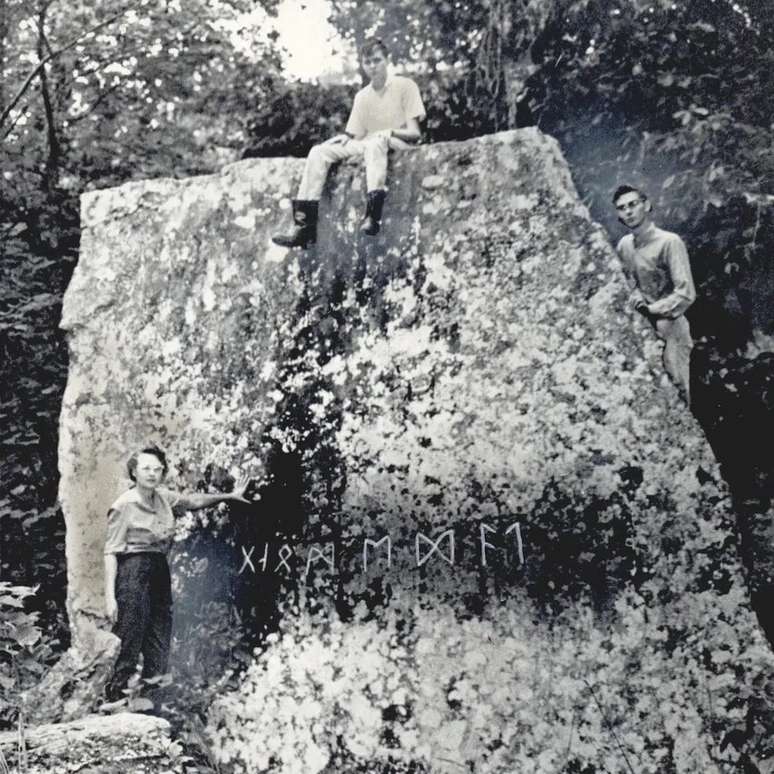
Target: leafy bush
(33, 354)
(25, 649)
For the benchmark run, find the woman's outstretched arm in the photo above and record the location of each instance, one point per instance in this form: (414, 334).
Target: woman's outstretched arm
(194, 501)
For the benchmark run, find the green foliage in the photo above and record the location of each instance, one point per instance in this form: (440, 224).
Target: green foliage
(144, 96)
(664, 93)
(32, 377)
(25, 649)
(297, 116)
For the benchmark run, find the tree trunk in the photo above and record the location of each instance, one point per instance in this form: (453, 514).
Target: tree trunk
(3, 56)
(54, 147)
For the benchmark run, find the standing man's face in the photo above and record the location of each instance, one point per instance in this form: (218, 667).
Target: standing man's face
(632, 209)
(375, 66)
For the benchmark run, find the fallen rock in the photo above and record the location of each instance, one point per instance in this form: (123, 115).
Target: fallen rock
(116, 744)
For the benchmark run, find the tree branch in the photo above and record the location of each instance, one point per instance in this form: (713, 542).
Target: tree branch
(11, 127)
(58, 52)
(52, 162)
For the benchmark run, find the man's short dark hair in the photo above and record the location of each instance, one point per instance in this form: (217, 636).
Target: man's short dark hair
(131, 464)
(371, 45)
(622, 190)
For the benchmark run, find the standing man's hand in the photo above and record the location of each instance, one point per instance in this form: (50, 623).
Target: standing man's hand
(638, 304)
(636, 301)
(644, 309)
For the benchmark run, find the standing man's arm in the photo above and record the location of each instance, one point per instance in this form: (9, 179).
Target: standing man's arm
(684, 292)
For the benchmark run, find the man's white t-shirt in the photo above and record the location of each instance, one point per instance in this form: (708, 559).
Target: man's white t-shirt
(392, 108)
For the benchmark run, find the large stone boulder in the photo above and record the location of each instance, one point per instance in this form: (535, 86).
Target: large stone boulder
(496, 538)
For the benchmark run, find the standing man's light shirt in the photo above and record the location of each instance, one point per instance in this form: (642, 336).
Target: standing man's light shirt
(661, 269)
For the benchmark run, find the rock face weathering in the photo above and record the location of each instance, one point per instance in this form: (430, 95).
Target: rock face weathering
(496, 539)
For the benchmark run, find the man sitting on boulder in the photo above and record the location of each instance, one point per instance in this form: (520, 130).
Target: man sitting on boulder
(658, 262)
(385, 115)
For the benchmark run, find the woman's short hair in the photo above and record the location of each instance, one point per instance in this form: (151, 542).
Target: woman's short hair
(131, 464)
(371, 45)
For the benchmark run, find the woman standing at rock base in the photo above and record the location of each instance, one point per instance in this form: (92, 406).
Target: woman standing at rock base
(138, 591)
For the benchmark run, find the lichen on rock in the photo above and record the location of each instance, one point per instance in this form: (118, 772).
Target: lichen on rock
(562, 590)
(124, 743)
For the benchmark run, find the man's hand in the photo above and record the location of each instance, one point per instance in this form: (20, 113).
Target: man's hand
(339, 139)
(637, 302)
(644, 309)
(410, 133)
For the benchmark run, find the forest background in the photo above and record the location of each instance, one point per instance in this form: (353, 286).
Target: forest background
(673, 96)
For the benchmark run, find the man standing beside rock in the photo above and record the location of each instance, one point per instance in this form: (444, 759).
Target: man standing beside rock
(658, 262)
(385, 115)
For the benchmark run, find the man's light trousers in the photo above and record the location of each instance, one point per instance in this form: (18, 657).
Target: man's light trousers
(678, 344)
(373, 149)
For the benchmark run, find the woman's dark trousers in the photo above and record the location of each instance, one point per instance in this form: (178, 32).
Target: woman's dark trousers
(144, 598)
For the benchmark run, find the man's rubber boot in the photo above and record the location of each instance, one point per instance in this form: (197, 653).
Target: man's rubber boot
(373, 217)
(304, 231)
